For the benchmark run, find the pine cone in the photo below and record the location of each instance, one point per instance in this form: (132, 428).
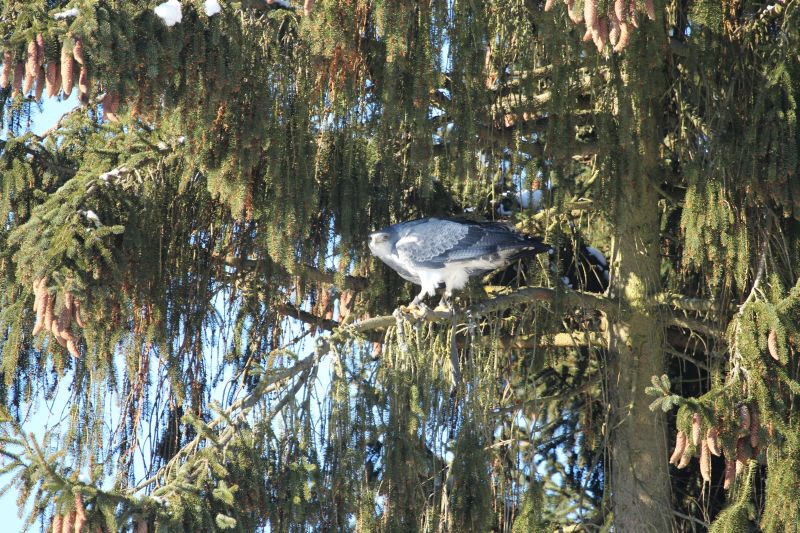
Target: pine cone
(110, 105)
(67, 70)
(77, 51)
(600, 35)
(685, 458)
(712, 438)
(650, 9)
(590, 14)
(696, 421)
(83, 86)
(57, 520)
(624, 36)
(32, 59)
(744, 417)
(5, 75)
(56, 331)
(613, 33)
(79, 314)
(39, 51)
(705, 462)
(772, 344)
(730, 474)
(40, 83)
(48, 311)
(80, 513)
(28, 85)
(51, 73)
(680, 446)
(619, 10)
(632, 10)
(345, 300)
(67, 524)
(575, 15)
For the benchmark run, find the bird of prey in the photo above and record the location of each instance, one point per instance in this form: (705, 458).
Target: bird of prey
(441, 252)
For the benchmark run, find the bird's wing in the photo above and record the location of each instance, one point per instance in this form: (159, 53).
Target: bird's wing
(436, 242)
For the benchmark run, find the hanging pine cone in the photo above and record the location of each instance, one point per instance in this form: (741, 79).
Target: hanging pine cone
(680, 446)
(40, 83)
(772, 345)
(83, 86)
(32, 59)
(80, 513)
(77, 51)
(39, 51)
(57, 520)
(696, 421)
(67, 525)
(705, 462)
(730, 474)
(712, 438)
(67, 69)
(50, 74)
(110, 104)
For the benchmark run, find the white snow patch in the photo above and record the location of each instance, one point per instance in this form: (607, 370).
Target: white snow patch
(74, 12)
(169, 12)
(92, 217)
(211, 7)
(598, 255)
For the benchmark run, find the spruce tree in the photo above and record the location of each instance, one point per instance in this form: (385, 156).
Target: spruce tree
(184, 256)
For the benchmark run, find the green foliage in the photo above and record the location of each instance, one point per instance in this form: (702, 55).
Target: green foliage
(256, 150)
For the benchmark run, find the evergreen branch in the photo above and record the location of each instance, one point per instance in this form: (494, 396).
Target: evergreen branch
(307, 272)
(696, 325)
(681, 355)
(554, 398)
(686, 304)
(309, 318)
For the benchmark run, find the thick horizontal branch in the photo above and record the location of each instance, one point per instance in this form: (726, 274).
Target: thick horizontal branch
(499, 303)
(697, 326)
(308, 318)
(687, 304)
(570, 339)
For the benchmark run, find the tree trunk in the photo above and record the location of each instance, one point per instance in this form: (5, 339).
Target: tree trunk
(640, 485)
(639, 472)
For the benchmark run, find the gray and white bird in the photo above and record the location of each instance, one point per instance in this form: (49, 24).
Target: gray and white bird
(440, 252)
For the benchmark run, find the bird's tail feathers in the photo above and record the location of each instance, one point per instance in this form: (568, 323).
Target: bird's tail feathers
(532, 248)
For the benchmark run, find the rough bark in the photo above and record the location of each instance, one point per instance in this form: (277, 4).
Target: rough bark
(639, 472)
(640, 486)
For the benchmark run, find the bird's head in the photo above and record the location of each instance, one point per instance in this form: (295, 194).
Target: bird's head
(380, 243)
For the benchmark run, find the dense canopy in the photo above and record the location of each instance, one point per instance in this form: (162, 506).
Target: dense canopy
(185, 272)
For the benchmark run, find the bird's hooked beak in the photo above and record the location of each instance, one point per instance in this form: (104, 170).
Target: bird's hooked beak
(377, 238)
